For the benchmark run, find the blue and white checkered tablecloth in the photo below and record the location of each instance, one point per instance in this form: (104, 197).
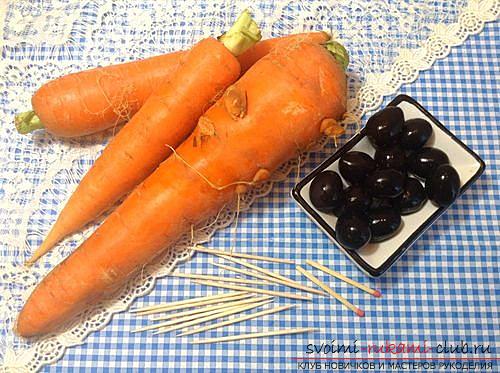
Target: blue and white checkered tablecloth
(445, 289)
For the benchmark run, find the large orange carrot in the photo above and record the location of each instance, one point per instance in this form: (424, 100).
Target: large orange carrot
(167, 118)
(280, 106)
(93, 100)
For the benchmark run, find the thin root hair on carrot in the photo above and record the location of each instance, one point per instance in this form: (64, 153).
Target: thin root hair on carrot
(299, 161)
(216, 218)
(192, 234)
(212, 185)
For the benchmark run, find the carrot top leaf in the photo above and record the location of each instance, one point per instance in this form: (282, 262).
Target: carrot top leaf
(339, 52)
(243, 34)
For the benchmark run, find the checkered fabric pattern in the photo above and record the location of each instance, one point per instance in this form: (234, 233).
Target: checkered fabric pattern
(446, 288)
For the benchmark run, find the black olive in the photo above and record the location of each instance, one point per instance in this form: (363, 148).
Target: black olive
(340, 209)
(384, 224)
(391, 158)
(325, 191)
(356, 166)
(384, 128)
(424, 162)
(415, 134)
(443, 186)
(382, 203)
(357, 198)
(352, 230)
(388, 183)
(413, 197)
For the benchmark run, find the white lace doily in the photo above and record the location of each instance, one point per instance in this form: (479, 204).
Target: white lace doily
(389, 44)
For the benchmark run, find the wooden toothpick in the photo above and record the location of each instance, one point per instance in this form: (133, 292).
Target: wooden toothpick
(238, 337)
(236, 320)
(191, 303)
(254, 290)
(344, 278)
(250, 299)
(291, 284)
(326, 288)
(217, 278)
(212, 317)
(241, 255)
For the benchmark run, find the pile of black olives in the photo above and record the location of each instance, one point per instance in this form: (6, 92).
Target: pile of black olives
(383, 188)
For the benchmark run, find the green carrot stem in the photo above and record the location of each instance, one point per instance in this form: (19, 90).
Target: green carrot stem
(27, 122)
(243, 34)
(339, 52)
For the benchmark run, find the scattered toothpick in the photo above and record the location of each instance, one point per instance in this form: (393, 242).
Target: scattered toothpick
(217, 306)
(218, 278)
(181, 320)
(199, 316)
(254, 290)
(237, 320)
(326, 288)
(250, 299)
(242, 255)
(271, 333)
(269, 280)
(212, 317)
(346, 279)
(191, 303)
(290, 283)
(244, 263)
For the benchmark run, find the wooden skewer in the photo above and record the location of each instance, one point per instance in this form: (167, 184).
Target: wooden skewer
(344, 278)
(271, 333)
(236, 320)
(260, 269)
(326, 288)
(252, 299)
(217, 278)
(213, 317)
(167, 307)
(241, 255)
(271, 279)
(197, 316)
(253, 290)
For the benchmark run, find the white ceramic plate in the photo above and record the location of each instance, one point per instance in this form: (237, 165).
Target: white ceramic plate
(377, 258)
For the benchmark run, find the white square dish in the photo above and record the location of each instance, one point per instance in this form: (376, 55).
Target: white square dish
(376, 258)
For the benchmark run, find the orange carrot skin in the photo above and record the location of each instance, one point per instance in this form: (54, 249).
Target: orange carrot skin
(90, 101)
(289, 94)
(93, 100)
(263, 47)
(167, 118)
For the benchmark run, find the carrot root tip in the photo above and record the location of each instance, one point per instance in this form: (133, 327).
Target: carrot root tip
(27, 122)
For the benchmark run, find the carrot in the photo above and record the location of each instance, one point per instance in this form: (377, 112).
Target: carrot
(168, 117)
(90, 101)
(263, 47)
(280, 106)
(93, 100)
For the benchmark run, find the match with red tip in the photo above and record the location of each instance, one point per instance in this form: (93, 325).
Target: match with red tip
(377, 293)
(360, 313)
